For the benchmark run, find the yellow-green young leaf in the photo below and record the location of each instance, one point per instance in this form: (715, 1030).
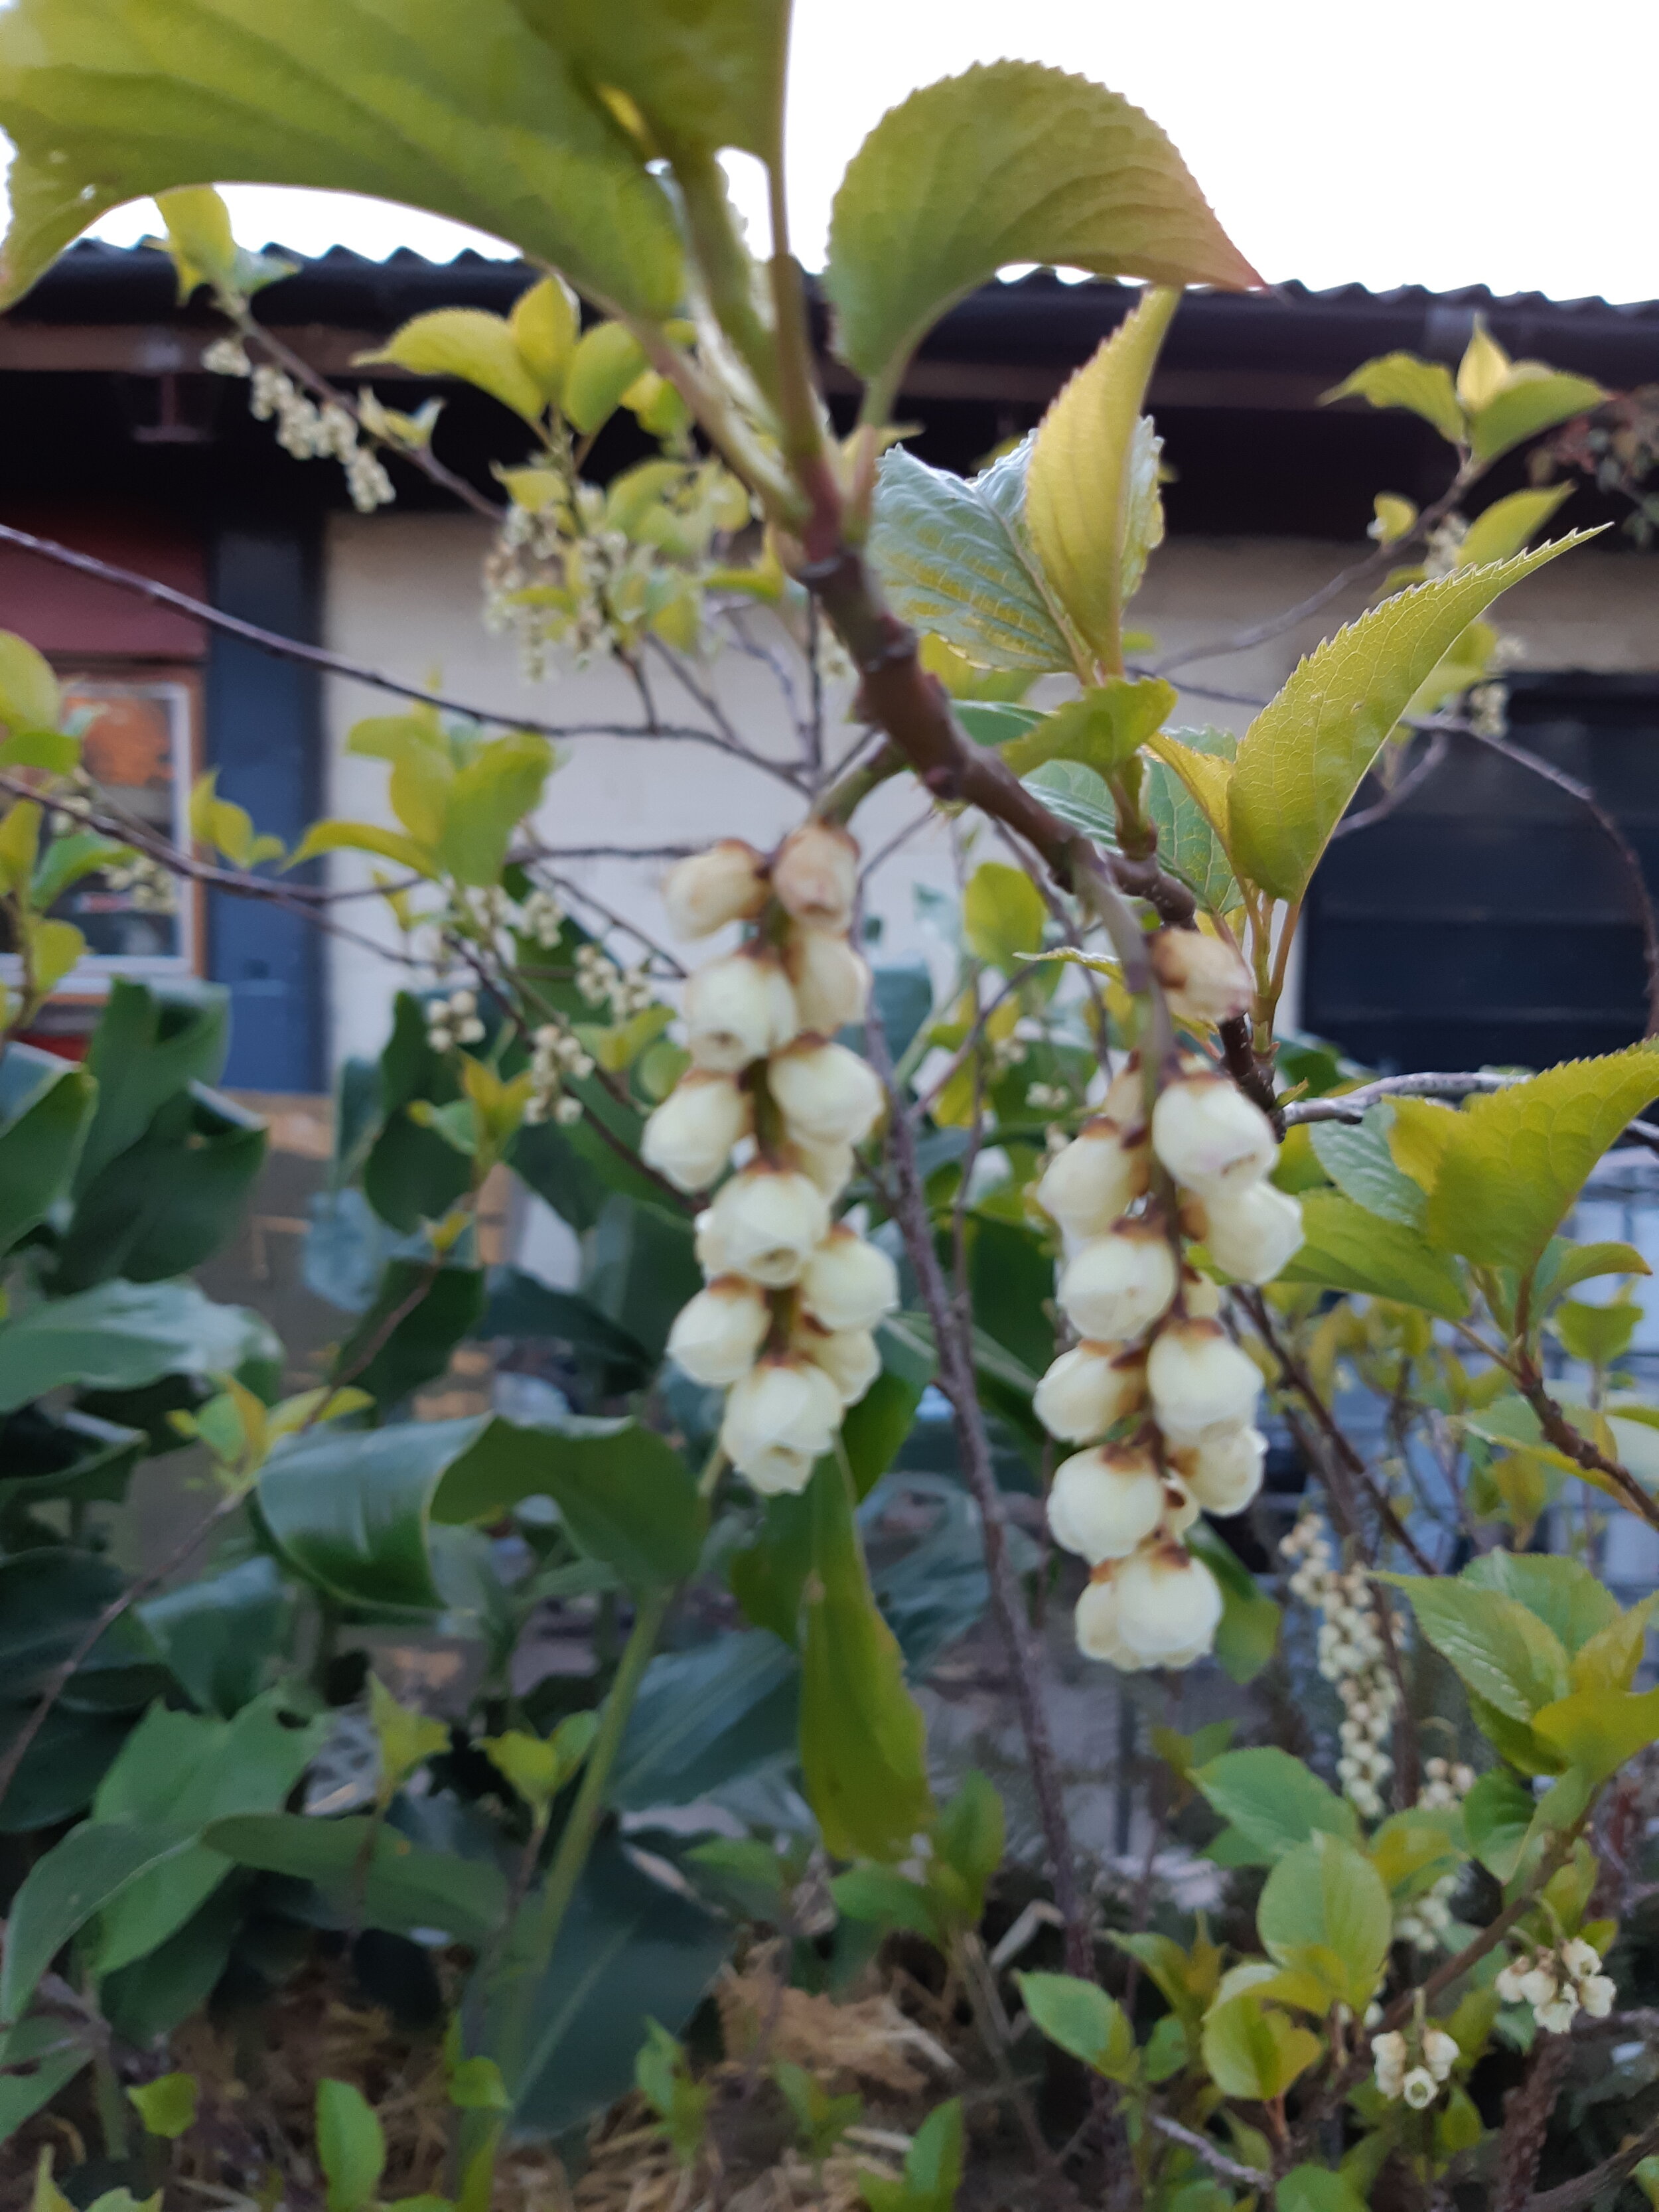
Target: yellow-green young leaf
(1103, 729)
(351, 2147)
(1253, 2050)
(1401, 380)
(1302, 758)
(407, 1737)
(1324, 1911)
(1082, 2019)
(1466, 661)
(1208, 778)
(545, 323)
(1595, 1731)
(199, 238)
(1091, 502)
(1396, 518)
(1501, 528)
(1536, 399)
(30, 698)
(1608, 1660)
(20, 841)
(1002, 914)
(486, 802)
(1010, 161)
(464, 111)
(362, 837)
(1513, 1162)
(1504, 1653)
(466, 342)
(1347, 1247)
(167, 2106)
(1483, 370)
(54, 948)
(606, 363)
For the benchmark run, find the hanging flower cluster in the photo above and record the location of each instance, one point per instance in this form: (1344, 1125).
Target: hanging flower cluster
(1416, 2076)
(1558, 1983)
(303, 429)
(1156, 1389)
(785, 1322)
(1352, 1656)
(1427, 1921)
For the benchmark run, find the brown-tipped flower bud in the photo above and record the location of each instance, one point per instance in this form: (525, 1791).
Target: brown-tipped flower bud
(1198, 1378)
(1209, 1135)
(725, 884)
(848, 1283)
(831, 982)
(1095, 1179)
(738, 1010)
(1204, 978)
(830, 1166)
(691, 1136)
(1222, 1465)
(849, 1357)
(1169, 1606)
(1116, 1285)
(815, 875)
(1104, 1503)
(1088, 1388)
(765, 1222)
(1096, 1623)
(825, 1093)
(1254, 1231)
(781, 1418)
(718, 1335)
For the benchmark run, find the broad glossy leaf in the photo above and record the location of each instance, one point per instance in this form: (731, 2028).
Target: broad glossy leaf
(1103, 729)
(1303, 756)
(1528, 404)
(640, 1265)
(145, 1048)
(1563, 1593)
(705, 1718)
(158, 1993)
(1496, 1815)
(1246, 1634)
(40, 2056)
(434, 1309)
(470, 343)
(1082, 2019)
(1253, 2050)
(403, 1886)
(1597, 1730)
(62, 1891)
(1504, 1652)
(472, 116)
(1324, 1910)
(703, 73)
(39, 1148)
(874, 1431)
(1274, 1800)
(123, 1335)
(169, 1201)
(951, 558)
(63, 1764)
(1316, 2189)
(219, 1634)
(1401, 380)
(1010, 161)
(1347, 1247)
(1359, 1162)
(522, 1305)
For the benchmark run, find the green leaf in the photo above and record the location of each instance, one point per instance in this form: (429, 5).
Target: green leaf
(473, 117)
(1358, 1160)
(951, 558)
(1316, 2189)
(1401, 380)
(873, 1431)
(1502, 1651)
(1010, 161)
(1596, 1334)
(1513, 1161)
(1597, 1730)
(217, 1635)
(1248, 1634)
(39, 1148)
(467, 342)
(398, 1886)
(1253, 2050)
(863, 1747)
(143, 1051)
(1303, 756)
(1103, 729)
(1530, 403)
(1501, 528)
(1563, 1593)
(1324, 1910)
(167, 2106)
(30, 698)
(704, 74)
(169, 1201)
(1002, 915)
(122, 1335)
(39, 2057)
(1346, 1248)
(405, 1340)
(1497, 1817)
(80, 1876)
(1273, 1801)
(488, 799)
(706, 1716)
(350, 2146)
(969, 1836)
(606, 361)
(1082, 2019)
(887, 1899)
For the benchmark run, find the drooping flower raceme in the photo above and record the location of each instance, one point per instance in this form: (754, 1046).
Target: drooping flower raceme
(786, 1324)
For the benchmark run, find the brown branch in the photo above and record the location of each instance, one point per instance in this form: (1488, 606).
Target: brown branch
(1559, 1432)
(1600, 2180)
(1229, 2169)
(1526, 2111)
(1414, 778)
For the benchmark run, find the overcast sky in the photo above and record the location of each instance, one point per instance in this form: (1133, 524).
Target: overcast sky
(1431, 142)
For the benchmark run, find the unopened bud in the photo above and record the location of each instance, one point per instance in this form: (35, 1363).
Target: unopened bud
(1169, 1606)
(1115, 1285)
(1440, 2051)
(689, 1137)
(1097, 1626)
(1205, 979)
(1201, 1299)
(1580, 1958)
(849, 1357)
(1252, 1232)
(825, 1093)
(831, 982)
(848, 1283)
(718, 1335)
(1088, 1388)
(815, 875)
(1222, 1465)
(765, 1222)
(1199, 1378)
(1209, 1135)
(830, 1166)
(725, 884)
(738, 1010)
(780, 1419)
(1597, 1993)
(1102, 1503)
(1089, 1185)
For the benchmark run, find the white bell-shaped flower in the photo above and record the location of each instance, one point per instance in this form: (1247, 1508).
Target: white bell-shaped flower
(1097, 1177)
(1169, 1606)
(1209, 1135)
(848, 1283)
(1088, 1388)
(831, 1167)
(1104, 1503)
(718, 1335)
(825, 1093)
(1200, 1296)
(709, 1245)
(1114, 1286)
(781, 1418)
(1441, 2052)
(1222, 1465)
(765, 1222)
(849, 1357)
(1204, 978)
(691, 1136)
(1199, 1378)
(738, 1009)
(725, 884)
(831, 982)
(1096, 1623)
(1253, 1231)
(815, 875)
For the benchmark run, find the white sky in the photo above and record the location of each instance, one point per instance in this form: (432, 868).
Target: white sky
(1433, 142)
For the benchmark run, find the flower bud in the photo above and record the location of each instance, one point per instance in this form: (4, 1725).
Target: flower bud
(1104, 1503)
(825, 1093)
(1539, 1985)
(849, 1357)
(1596, 1993)
(815, 875)
(1556, 2019)
(689, 1137)
(1199, 1296)
(1199, 1378)
(1419, 2088)
(830, 1166)
(1440, 2051)
(1222, 1465)
(831, 982)
(1089, 1185)
(847, 1283)
(1252, 1232)
(1210, 1136)
(765, 1222)
(1096, 1623)
(779, 1419)
(1389, 2056)
(738, 1009)
(1205, 978)
(1509, 1981)
(1115, 1285)
(709, 1245)
(725, 884)
(1580, 1958)
(1088, 1388)
(718, 1335)
(1169, 1606)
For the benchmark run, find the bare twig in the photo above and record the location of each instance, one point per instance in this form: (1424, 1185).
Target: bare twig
(1414, 778)
(1229, 2169)
(1526, 2111)
(1600, 2180)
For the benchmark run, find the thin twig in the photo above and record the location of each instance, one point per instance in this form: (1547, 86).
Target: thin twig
(1229, 2169)
(1414, 778)
(1601, 2179)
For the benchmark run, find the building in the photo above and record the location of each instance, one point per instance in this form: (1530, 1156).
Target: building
(1509, 935)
